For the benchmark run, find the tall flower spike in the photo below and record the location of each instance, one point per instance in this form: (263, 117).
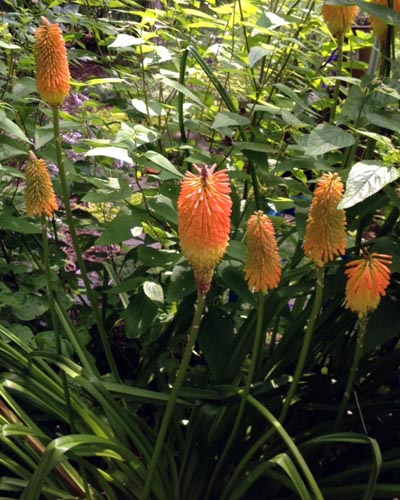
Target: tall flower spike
(204, 208)
(325, 235)
(379, 26)
(262, 262)
(52, 70)
(339, 19)
(39, 194)
(367, 280)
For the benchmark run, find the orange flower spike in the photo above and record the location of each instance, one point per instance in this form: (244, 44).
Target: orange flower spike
(262, 263)
(339, 19)
(39, 194)
(52, 70)
(325, 236)
(379, 27)
(204, 208)
(367, 280)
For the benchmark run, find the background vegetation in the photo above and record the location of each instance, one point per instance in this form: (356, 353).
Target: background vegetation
(256, 87)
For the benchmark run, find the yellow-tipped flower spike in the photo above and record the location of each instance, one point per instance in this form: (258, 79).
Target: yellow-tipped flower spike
(339, 19)
(39, 194)
(379, 27)
(367, 280)
(204, 209)
(325, 235)
(262, 262)
(52, 71)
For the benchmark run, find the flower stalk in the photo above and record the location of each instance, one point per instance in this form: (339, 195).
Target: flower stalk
(174, 395)
(78, 252)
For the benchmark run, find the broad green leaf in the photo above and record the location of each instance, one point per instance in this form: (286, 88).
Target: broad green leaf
(112, 193)
(18, 224)
(11, 128)
(13, 172)
(326, 137)
(119, 229)
(111, 152)
(98, 81)
(28, 306)
(236, 251)
(139, 315)
(151, 108)
(164, 208)
(384, 120)
(181, 284)
(216, 347)
(292, 95)
(156, 257)
(365, 179)
(233, 277)
(259, 147)
(163, 163)
(227, 119)
(9, 46)
(153, 291)
(123, 40)
(257, 53)
(180, 88)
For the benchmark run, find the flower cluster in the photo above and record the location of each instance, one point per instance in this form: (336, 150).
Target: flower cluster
(262, 263)
(339, 19)
(204, 208)
(52, 70)
(39, 194)
(367, 280)
(379, 26)
(325, 235)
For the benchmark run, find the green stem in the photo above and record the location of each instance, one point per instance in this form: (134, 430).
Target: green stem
(362, 327)
(70, 221)
(276, 424)
(319, 288)
(54, 321)
(245, 393)
(56, 330)
(174, 396)
(337, 82)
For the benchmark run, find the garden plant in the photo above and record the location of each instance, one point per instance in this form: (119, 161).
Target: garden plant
(199, 250)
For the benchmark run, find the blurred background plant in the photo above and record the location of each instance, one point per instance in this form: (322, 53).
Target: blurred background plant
(258, 88)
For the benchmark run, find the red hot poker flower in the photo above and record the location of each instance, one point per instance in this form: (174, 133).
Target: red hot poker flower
(367, 280)
(325, 230)
(262, 264)
(379, 26)
(39, 194)
(204, 208)
(52, 70)
(339, 19)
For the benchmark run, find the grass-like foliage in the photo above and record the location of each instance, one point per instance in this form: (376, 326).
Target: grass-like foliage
(199, 250)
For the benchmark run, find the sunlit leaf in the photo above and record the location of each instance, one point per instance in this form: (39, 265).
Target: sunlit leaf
(153, 291)
(365, 179)
(111, 152)
(326, 137)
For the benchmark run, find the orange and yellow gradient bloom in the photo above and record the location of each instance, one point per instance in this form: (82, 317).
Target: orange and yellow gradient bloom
(262, 262)
(325, 236)
(339, 19)
(204, 209)
(39, 194)
(379, 26)
(367, 280)
(52, 70)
